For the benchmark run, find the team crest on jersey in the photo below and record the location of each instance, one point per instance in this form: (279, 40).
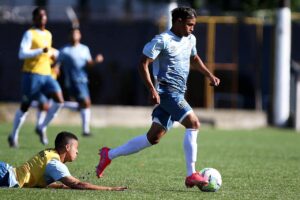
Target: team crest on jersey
(182, 104)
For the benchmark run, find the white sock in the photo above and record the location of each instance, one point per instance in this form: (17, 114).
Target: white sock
(52, 112)
(72, 105)
(20, 117)
(86, 118)
(190, 150)
(41, 115)
(132, 146)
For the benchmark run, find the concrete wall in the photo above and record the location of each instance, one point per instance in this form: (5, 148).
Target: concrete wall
(129, 116)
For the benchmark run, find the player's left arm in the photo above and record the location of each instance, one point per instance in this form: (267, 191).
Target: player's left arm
(90, 61)
(98, 59)
(196, 63)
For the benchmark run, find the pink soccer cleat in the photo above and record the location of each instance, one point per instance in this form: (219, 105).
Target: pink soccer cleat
(195, 179)
(104, 161)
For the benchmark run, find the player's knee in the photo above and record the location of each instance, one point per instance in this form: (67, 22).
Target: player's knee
(85, 104)
(196, 124)
(60, 100)
(58, 97)
(24, 107)
(44, 106)
(153, 140)
(155, 133)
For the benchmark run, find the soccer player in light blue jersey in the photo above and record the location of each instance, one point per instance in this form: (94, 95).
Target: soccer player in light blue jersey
(73, 59)
(172, 53)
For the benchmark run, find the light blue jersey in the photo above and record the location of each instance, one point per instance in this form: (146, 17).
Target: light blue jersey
(55, 170)
(74, 60)
(171, 55)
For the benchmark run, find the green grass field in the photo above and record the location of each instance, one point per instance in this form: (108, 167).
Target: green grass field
(256, 164)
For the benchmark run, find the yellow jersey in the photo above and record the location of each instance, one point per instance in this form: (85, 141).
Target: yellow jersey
(40, 64)
(31, 173)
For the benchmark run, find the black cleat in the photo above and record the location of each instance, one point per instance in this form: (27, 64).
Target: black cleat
(42, 135)
(87, 134)
(12, 143)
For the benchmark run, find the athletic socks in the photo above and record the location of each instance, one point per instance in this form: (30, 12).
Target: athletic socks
(18, 122)
(86, 118)
(141, 142)
(132, 146)
(72, 105)
(41, 115)
(52, 112)
(190, 150)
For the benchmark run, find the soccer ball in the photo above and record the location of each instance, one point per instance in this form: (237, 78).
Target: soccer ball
(214, 180)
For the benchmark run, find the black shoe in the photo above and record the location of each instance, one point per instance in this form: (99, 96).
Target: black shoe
(42, 135)
(12, 143)
(87, 134)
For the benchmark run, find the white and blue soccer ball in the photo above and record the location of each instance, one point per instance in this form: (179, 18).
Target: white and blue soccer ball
(214, 180)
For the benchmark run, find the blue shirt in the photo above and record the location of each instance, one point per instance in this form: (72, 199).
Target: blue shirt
(171, 55)
(73, 60)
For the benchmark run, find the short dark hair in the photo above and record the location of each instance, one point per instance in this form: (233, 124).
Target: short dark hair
(183, 13)
(63, 138)
(36, 11)
(72, 29)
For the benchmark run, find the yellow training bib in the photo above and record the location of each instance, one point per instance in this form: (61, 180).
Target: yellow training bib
(40, 64)
(31, 173)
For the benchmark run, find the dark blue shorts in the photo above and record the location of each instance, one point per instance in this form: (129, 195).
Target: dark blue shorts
(34, 86)
(172, 107)
(7, 176)
(4, 175)
(79, 90)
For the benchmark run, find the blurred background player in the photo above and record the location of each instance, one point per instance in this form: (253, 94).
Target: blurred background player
(37, 53)
(172, 52)
(47, 167)
(44, 102)
(73, 59)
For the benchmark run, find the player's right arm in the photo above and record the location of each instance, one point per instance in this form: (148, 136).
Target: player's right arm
(150, 52)
(146, 77)
(25, 50)
(74, 183)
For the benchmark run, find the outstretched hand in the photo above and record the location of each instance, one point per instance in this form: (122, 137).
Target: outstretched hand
(118, 188)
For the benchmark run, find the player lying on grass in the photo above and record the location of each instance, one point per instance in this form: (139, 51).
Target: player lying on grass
(172, 54)
(47, 167)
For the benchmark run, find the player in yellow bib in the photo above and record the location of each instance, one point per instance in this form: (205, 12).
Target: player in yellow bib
(47, 167)
(37, 53)
(43, 103)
